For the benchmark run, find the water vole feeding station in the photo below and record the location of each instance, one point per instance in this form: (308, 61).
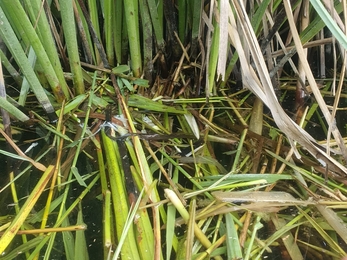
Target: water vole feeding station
(173, 129)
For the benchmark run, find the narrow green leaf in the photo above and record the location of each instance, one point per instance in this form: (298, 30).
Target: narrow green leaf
(121, 69)
(119, 33)
(99, 102)
(109, 11)
(119, 198)
(37, 217)
(233, 244)
(197, 11)
(42, 58)
(330, 23)
(44, 32)
(68, 22)
(8, 36)
(316, 25)
(25, 88)
(156, 23)
(127, 85)
(148, 104)
(68, 240)
(17, 251)
(78, 176)
(107, 218)
(13, 110)
(73, 104)
(170, 229)
(182, 18)
(132, 21)
(81, 250)
(141, 82)
(65, 214)
(212, 66)
(17, 222)
(14, 156)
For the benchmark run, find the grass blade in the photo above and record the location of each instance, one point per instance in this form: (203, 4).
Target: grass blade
(81, 250)
(9, 37)
(330, 23)
(68, 21)
(132, 21)
(120, 201)
(11, 231)
(17, 9)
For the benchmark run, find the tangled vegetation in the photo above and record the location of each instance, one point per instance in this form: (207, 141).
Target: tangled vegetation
(148, 129)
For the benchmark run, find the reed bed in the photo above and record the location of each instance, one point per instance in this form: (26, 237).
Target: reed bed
(173, 129)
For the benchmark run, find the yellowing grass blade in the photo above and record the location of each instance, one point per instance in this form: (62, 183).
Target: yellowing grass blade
(11, 231)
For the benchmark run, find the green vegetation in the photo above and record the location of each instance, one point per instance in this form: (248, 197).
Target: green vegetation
(148, 129)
